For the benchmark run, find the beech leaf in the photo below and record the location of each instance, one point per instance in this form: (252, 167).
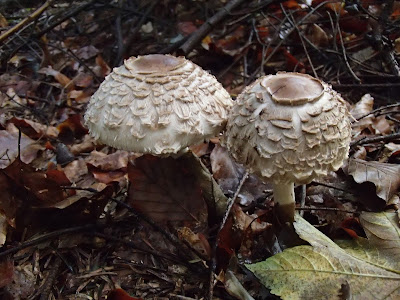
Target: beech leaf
(168, 189)
(320, 271)
(385, 177)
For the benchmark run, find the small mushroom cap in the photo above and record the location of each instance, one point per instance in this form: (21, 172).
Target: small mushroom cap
(157, 104)
(289, 127)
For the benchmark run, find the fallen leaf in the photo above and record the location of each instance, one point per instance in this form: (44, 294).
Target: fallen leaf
(228, 175)
(9, 147)
(41, 190)
(62, 79)
(120, 294)
(3, 232)
(385, 177)
(70, 129)
(165, 189)
(6, 272)
(321, 270)
(186, 28)
(102, 69)
(23, 284)
(108, 162)
(196, 240)
(75, 170)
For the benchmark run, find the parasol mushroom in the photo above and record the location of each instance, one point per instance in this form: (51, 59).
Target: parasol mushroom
(157, 104)
(288, 128)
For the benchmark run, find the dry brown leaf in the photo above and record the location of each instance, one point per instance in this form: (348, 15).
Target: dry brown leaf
(40, 189)
(87, 145)
(6, 272)
(9, 147)
(360, 109)
(385, 177)
(3, 231)
(228, 175)
(245, 222)
(108, 162)
(376, 125)
(62, 79)
(75, 170)
(165, 189)
(33, 129)
(3, 21)
(102, 69)
(196, 240)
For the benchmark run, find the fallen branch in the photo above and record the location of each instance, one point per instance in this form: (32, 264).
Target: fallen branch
(204, 29)
(25, 21)
(376, 139)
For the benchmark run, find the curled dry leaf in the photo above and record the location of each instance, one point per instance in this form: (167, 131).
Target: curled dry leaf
(197, 241)
(9, 147)
(360, 109)
(375, 125)
(228, 175)
(60, 77)
(385, 177)
(245, 222)
(234, 287)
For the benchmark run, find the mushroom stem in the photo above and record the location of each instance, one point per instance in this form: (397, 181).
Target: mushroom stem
(284, 198)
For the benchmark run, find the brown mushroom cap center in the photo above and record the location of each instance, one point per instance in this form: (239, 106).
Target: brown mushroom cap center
(154, 63)
(293, 89)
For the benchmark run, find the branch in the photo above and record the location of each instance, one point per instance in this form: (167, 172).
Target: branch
(25, 21)
(208, 25)
(376, 139)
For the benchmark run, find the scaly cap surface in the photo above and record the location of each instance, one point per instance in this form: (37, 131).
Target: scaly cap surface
(289, 127)
(157, 104)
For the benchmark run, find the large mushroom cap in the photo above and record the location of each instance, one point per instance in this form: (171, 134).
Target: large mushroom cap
(289, 127)
(157, 104)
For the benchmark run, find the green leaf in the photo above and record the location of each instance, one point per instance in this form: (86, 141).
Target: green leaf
(368, 267)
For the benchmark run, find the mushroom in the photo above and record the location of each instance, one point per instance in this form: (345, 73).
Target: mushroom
(157, 104)
(288, 128)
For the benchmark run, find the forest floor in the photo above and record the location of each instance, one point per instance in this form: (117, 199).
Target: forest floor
(71, 225)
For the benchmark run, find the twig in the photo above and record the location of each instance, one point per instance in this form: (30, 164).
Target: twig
(327, 209)
(66, 17)
(370, 85)
(48, 283)
(293, 22)
(136, 247)
(172, 238)
(215, 246)
(46, 237)
(25, 21)
(132, 35)
(331, 186)
(204, 29)
(372, 112)
(345, 55)
(376, 139)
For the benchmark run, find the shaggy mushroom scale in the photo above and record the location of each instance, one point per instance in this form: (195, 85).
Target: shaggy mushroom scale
(157, 104)
(288, 128)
